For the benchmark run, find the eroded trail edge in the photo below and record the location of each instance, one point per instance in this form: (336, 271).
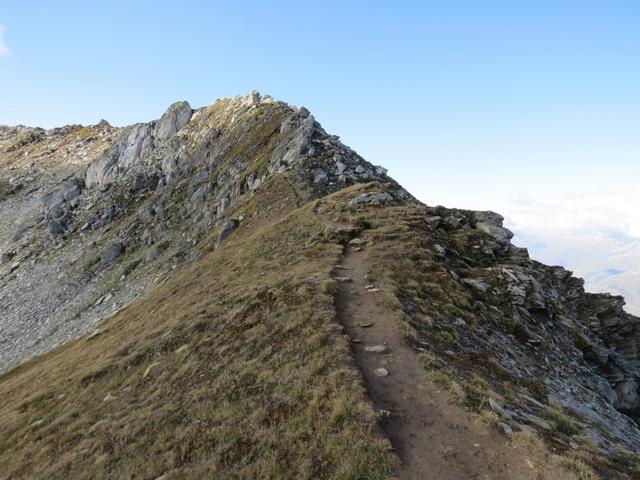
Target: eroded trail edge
(434, 438)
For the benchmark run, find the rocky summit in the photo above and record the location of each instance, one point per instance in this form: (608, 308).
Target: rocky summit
(231, 292)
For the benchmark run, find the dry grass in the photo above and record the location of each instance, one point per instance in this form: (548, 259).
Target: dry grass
(579, 468)
(233, 369)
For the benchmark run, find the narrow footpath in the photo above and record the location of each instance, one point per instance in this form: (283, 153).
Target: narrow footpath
(434, 438)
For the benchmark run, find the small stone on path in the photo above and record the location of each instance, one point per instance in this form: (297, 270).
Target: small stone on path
(375, 349)
(342, 279)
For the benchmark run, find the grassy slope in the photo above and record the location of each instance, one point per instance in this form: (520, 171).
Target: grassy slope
(247, 376)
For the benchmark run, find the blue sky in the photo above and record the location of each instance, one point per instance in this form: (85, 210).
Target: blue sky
(520, 107)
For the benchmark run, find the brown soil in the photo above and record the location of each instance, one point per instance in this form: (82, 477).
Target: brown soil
(434, 438)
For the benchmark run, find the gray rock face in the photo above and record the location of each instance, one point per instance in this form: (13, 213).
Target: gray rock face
(227, 229)
(627, 392)
(134, 143)
(291, 152)
(173, 120)
(583, 348)
(135, 146)
(72, 189)
(52, 202)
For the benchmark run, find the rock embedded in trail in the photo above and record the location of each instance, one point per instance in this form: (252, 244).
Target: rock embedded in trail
(343, 279)
(376, 349)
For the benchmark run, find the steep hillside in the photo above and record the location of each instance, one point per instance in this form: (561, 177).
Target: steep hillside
(230, 292)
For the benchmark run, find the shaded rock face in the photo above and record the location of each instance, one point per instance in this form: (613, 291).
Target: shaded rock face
(98, 215)
(535, 325)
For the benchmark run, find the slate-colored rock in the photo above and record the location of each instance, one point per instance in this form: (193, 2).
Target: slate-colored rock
(227, 229)
(112, 252)
(376, 349)
(175, 118)
(55, 228)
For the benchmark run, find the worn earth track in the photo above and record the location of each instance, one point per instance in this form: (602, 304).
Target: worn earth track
(434, 438)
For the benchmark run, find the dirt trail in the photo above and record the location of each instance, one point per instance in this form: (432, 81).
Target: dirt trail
(434, 439)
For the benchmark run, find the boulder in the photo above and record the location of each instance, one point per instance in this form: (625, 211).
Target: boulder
(55, 228)
(112, 252)
(176, 117)
(500, 234)
(433, 221)
(340, 167)
(227, 229)
(476, 284)
(252, 98)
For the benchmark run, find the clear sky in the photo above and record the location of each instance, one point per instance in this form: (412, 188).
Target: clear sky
(529, 108)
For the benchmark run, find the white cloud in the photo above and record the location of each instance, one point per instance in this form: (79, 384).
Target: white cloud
(4, 50)
(613, 210)
(594, 233)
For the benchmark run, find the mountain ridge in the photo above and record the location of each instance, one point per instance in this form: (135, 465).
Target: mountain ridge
(102, 222)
